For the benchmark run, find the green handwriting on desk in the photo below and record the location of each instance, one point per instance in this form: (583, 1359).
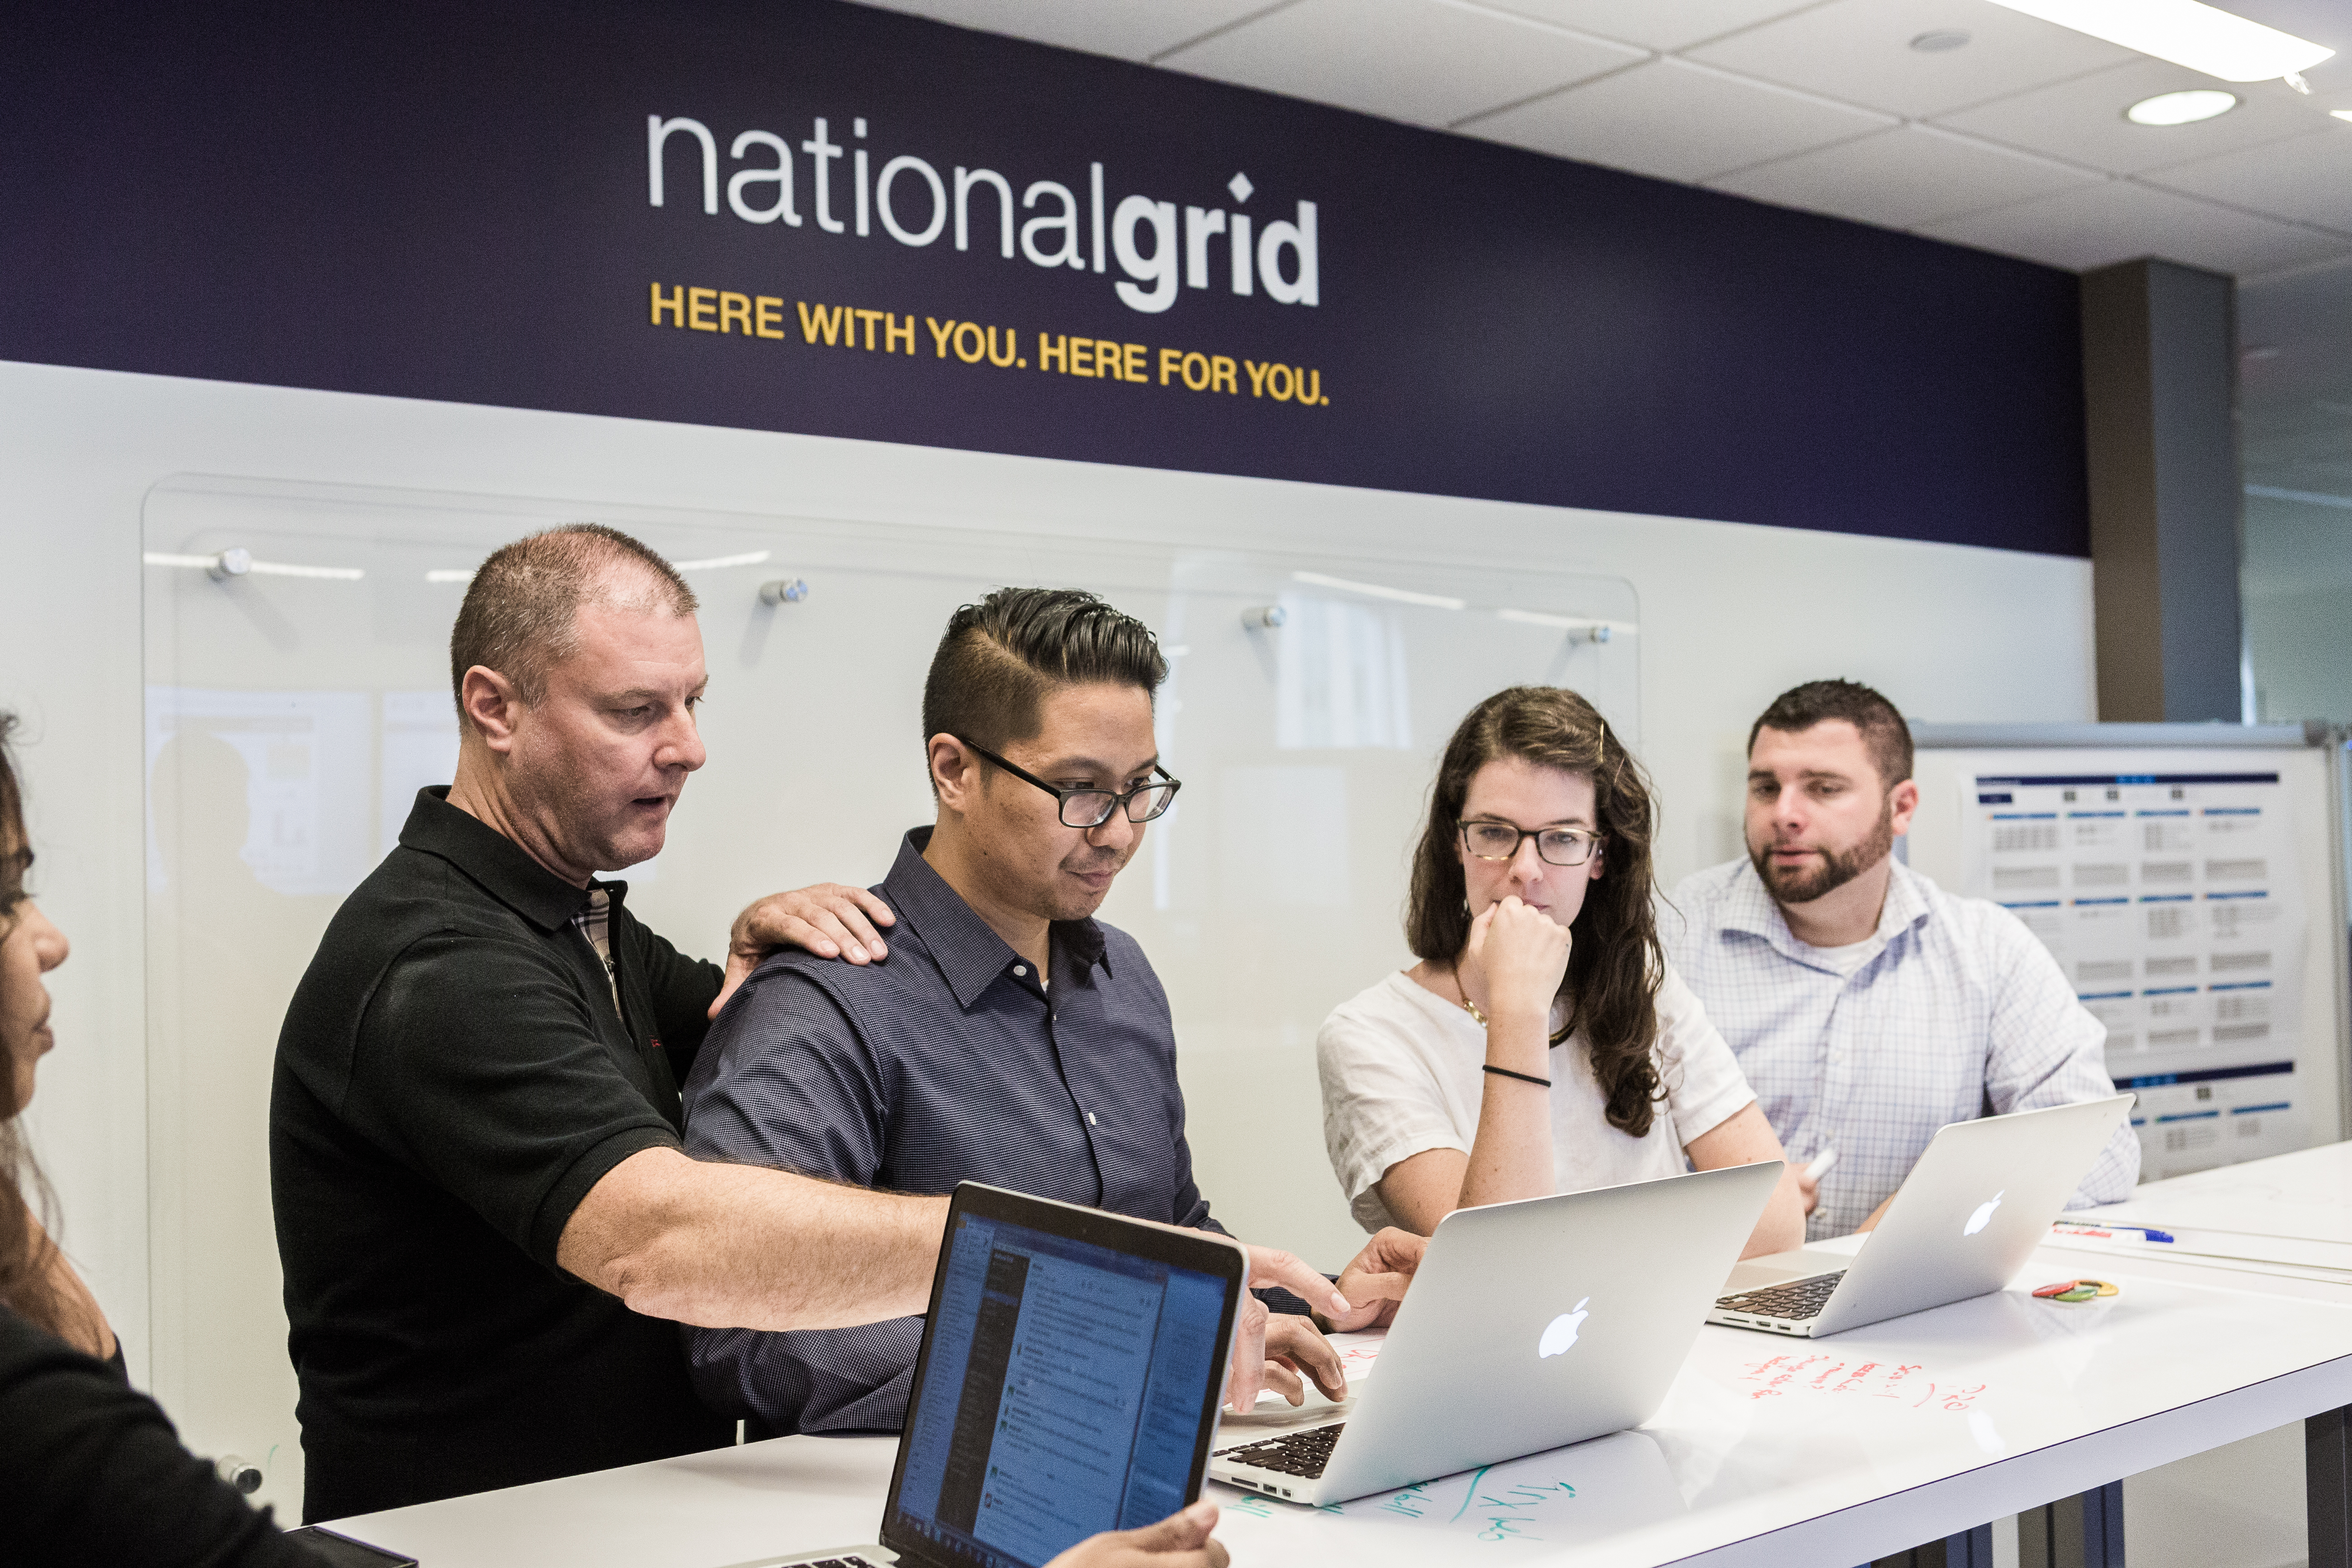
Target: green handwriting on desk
(1489, 1508)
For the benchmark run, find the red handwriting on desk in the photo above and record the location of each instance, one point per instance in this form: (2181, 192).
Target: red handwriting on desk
(1357, 1358)
(1904, 1383)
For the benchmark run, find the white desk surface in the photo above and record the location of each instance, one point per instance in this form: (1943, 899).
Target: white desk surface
(2305, 1196)
(1768, 1450)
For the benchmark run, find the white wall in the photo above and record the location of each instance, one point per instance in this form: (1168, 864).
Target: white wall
(1729, 615)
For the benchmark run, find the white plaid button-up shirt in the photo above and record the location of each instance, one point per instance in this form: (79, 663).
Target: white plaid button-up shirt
(1960, 1014)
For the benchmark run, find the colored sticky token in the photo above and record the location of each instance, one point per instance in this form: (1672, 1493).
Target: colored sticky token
(2048, 1291)
(2105, 1288)
(2079, 1293)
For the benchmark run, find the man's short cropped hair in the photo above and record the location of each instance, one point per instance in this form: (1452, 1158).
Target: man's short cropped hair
(1001, 658)
(522, 611)
(1883, 730)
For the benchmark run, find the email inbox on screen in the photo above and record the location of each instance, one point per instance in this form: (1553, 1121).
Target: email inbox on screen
(1064, 1394)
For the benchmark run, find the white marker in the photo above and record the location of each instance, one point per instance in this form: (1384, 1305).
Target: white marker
(1820, 1165)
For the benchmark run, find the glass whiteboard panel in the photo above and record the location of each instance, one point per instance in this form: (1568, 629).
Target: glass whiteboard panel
(295, 708)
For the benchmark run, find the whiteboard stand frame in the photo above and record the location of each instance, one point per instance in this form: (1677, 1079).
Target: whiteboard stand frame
(2311, 734)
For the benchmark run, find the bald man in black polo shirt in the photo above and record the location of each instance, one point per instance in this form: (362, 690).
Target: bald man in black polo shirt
(488, 1227)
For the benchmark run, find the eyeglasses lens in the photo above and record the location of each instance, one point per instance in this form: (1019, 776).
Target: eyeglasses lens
(1092, 807)
(1557, 846)
(1150, 802)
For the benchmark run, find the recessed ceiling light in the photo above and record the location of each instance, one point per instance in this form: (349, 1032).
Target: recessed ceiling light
(2181, 108)
(2203, 37)
(2341, 113)
(1941, 41)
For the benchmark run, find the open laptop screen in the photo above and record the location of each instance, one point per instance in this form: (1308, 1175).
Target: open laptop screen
(1066, 1386)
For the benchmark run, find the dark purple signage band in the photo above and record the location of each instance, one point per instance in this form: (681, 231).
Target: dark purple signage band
(817, 218)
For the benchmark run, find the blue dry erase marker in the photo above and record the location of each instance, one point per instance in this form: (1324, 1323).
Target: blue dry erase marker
(2093, 1227)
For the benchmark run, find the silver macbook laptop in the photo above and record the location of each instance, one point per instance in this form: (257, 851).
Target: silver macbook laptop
(1977, 1202)
(1530, 1325)
(1068, 1384)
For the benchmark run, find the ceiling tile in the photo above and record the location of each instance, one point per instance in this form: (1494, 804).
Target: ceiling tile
(1860, 51)
(2308, 178)
(2083, 120)
(1651, 23)
(2123, 220)
(1905, 177)
(1128, 29)
(1675, 121)
(1422, 61)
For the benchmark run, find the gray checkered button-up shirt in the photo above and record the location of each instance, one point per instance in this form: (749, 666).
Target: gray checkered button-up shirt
(1961, 1013)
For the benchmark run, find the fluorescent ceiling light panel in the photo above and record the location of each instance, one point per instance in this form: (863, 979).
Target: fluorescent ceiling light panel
(2341, 113)
(2181, 108)
(1379, 591)
(2203, 37)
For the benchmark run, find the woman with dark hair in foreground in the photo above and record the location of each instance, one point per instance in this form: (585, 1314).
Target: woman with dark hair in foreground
(90, 1469)
(1541, 1045)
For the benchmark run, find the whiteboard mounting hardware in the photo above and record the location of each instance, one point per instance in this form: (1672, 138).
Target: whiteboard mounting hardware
(237, 562)
(784, 591)
(1577, 629)
(1267, 618)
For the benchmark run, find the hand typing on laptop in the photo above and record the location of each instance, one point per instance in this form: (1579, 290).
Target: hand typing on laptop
(1375, 1283)
(1275, 1351)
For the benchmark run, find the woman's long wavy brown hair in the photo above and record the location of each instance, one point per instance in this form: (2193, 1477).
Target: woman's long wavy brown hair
(1615, 964)
(27, 1256)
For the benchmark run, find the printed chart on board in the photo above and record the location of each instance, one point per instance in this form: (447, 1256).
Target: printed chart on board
(2174, 903)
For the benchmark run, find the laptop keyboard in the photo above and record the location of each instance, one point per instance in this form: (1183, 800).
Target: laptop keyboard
(1301, 1454)
(852, 1561)
(1795, 1301)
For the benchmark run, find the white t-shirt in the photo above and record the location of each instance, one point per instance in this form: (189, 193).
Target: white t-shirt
(1845, 960)
(1401, 1073)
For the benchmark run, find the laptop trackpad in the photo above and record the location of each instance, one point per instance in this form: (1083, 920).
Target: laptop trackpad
(1780, 1268)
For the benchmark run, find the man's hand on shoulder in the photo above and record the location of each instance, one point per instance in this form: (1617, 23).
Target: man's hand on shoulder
(829, 919)
(1180, 1541)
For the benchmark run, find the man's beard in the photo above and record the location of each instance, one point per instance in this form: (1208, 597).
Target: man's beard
(1835, 870)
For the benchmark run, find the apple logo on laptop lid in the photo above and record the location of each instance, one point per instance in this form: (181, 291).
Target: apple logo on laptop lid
(1983, 1217)
(1560, 1333)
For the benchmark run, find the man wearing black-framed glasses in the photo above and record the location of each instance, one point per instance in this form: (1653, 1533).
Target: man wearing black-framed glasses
(1010, 1036)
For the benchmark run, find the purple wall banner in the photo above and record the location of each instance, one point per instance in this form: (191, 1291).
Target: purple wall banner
(813, 217)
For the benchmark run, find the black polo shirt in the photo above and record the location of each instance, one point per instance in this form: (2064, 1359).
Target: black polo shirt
(451, 1080)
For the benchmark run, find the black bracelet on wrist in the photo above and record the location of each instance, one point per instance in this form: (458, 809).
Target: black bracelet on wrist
(1522, 1076)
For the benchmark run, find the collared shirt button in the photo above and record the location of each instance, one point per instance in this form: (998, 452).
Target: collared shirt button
(1020, 970)
(1090, 1119)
